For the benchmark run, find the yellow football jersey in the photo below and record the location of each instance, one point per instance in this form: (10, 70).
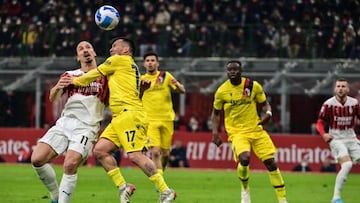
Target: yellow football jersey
(157, 99)
(124, 83)
(240, 105)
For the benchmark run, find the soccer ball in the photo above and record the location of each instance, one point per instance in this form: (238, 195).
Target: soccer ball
(107, 17)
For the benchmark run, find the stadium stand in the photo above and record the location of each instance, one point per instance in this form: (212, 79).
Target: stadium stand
(192, 28)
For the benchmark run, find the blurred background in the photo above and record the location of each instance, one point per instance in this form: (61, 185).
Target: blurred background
(295, 49)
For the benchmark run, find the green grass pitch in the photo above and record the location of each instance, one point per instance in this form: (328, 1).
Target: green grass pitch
(19, 184)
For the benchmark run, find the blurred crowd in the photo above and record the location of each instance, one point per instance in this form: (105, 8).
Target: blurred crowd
(187, 28)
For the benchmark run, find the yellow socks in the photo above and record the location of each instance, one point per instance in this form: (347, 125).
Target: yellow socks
(116, 177)
(161, 171)
(278, 184)
(243, 174)
(159, 182)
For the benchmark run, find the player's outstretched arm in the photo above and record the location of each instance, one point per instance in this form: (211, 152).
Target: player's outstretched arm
(87, 78)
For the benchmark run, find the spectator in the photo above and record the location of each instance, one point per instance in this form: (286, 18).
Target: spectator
(328, 166)
(179, 43)
(193, 125)
(238, 40)
(24, 156)
(295, 41)
(281, 42)
(333, 43)
(29, 38)
(8, 112)
(10, 39)
(2, 160)
(178, 156)
(13, 8)
(41, 45)
(349, 38)
(225, 45)
(316, 42)
(163, 16)
(313, 129)
(204, 40)
(269, 41)
(303, 166)
(150, 43)
(207, 124)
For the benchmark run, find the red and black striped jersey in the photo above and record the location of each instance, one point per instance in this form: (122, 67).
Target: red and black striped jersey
(97, 88)
(340, 118)
(86, 103)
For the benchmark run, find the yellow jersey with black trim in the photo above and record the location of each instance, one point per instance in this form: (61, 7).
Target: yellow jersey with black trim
(157, 99)
(239, 103)
(124, 83)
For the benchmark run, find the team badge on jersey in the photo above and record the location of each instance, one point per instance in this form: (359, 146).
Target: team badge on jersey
(248, 87)
(160, 79)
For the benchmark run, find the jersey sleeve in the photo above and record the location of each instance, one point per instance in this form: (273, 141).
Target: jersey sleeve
(260, 95)
(320, 127)
(357, 107)
(218, 101)
(323, 112)
(87, 78)
(170, 77)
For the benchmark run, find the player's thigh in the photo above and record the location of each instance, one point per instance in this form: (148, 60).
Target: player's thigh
(82, 138)
(354, 150)
(167, 131)
(110, 134)
(56, 138)
(42, 154)
(154, 133)
(131, 127)
(338, 149)
(239, 144)
(262, 145)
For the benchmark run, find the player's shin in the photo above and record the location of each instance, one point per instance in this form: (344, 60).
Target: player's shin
(116, 177)
(278, 183)
(341, 178)
(159, 182)
(47, 175)
(67, 186)
(243, 173)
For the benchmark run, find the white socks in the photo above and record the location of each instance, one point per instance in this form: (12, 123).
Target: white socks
(67, 186)
(47, 175)
(341, 178)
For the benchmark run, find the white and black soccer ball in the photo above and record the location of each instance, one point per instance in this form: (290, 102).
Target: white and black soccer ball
(107, 17)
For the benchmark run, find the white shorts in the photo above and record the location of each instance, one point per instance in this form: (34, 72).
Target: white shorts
(341, 148)
(71, 133)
